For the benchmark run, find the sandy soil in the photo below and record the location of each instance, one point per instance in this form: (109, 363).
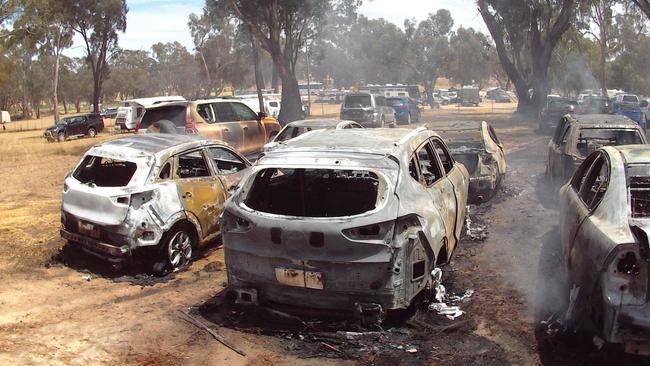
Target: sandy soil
(74, 311)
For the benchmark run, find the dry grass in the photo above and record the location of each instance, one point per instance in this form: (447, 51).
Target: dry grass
(32, 171)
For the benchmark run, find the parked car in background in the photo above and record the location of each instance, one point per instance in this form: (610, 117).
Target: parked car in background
(604, 226)
(109, 113)
(554, 110)
(406, 109)
(627, 98)
(153, 195)
(297, 128)
(595, 105)
(498, 95)
(579, 135)
(368, 110)
(476, 146)
(89, 124)
(632, 110)
(345, 220)
(469, 95)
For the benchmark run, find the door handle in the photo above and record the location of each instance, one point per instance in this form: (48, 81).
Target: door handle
(187, 195)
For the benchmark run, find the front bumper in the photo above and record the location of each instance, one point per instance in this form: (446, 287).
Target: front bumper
(98, 248)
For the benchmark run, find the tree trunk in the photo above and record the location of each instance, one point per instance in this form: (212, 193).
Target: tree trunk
(603, 68)
(207, 72)
(77, 104)
(259, 83)
(97, 92)
(275, 80)
(55, 82)
(65, 105)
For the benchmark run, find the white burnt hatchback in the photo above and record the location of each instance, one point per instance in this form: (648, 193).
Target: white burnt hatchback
(159, 195)
(346, 220)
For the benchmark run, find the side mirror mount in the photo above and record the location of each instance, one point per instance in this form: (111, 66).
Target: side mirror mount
(261, 116)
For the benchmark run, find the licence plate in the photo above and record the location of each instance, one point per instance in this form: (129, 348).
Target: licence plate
(299, 278)
(89, 229)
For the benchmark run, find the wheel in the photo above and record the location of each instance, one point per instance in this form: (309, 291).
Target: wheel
(177, 247)
(92, 132)
(60, 137)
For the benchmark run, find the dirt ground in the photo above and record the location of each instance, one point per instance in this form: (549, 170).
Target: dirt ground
(67, 309)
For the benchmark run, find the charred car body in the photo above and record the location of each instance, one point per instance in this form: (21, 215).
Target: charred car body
(475, 145)
(604, 225)
(297, 128)
(155, 191)
(577, 136)
(345, 220)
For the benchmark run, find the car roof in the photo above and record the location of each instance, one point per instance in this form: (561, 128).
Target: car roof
(154, 143)
(456, 126)
(316, 123)
(634, 154)
(218, 100)
(182, 103)
(603, 121)
(363, 140)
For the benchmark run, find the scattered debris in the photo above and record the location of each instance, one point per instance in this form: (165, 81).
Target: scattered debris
(198, 323)
(411, 350)
(450, 311)
(87, 277)
(145, 279)
(213, 266)
(473, 230)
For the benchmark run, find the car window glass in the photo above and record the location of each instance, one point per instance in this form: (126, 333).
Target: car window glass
(443, 154)
(413, 169)
(243, 113)
(192, 165)
(429, 168)
(224, 112)
(225, 160)
(139, 111)
(565, 136)
(581, 172)
(595, 183)
(558, 130)
(165, 171)
(205, 112)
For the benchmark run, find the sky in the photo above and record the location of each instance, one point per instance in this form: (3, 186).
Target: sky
(152, 21)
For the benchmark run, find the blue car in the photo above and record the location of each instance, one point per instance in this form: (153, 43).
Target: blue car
(406, 109)
(631, 111)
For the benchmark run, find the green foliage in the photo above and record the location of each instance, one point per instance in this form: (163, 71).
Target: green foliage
(470, 54)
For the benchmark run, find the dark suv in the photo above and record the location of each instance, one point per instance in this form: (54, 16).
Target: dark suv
(82, 125)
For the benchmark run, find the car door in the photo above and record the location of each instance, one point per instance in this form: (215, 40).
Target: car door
(229, 166)
(439, 189)
(573, 209)
(227, 124)
(455, 197)
(254, 136)
(201, 191)
(498, 146)
(79, 125)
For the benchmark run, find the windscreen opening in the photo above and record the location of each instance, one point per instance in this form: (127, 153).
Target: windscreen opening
(639, 183)
(313, 192)
(591, 139)
(105, 172)
(357, 101)
(175, 114)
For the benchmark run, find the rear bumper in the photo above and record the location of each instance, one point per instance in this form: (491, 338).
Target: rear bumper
(108, 252)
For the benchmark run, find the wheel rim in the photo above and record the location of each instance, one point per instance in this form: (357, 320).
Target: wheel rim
(92, 132)
(61, 136)
(179, 250)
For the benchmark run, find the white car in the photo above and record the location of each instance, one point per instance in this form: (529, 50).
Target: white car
(297, 128)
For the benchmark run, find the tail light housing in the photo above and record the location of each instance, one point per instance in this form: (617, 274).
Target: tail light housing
(626, 278)
(138, 124)
(381, 232)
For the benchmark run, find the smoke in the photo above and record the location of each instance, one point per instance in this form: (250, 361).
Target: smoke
(574, 75)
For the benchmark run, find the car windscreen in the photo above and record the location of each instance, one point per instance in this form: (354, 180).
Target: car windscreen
(105, 172)
(313, 192)
(591, 139)
(173, 113)
(357, 101)
(630, 98)
(638, 180)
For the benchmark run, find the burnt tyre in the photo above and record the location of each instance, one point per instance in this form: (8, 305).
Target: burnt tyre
(60, 137)
(176, 250)
(91, 132)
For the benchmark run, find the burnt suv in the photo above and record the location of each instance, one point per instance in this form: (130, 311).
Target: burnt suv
(82, 125)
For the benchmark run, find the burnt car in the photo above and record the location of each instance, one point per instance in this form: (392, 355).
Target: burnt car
(89, 124)
(475, 144)
(604, 226)
(297, 128)
(553, 112)
(577, 136)
(157, 196)
(350, 221)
